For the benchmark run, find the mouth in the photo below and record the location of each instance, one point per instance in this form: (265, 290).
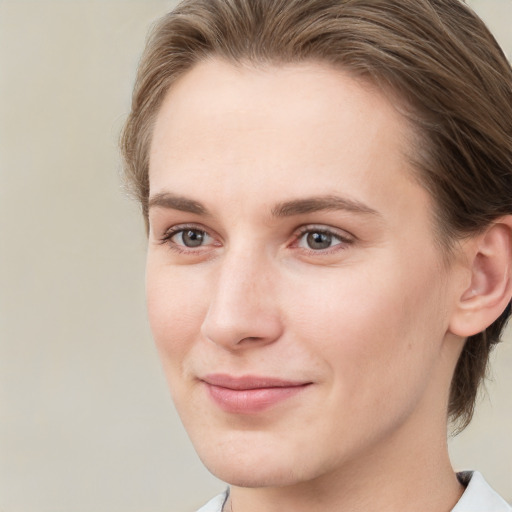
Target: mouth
(250, 394)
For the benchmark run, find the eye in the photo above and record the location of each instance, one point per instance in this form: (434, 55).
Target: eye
(184, 237)
(320, 239)
(317, 240)
(190, 237)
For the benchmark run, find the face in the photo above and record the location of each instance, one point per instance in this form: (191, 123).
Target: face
(295, 291)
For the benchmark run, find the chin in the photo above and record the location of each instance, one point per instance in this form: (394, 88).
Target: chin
(249, 463)
(247, 474)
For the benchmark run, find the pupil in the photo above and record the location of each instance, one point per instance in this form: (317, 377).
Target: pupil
(192, 238)
(319, 240)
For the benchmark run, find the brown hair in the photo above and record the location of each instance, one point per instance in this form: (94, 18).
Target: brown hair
(437, 55)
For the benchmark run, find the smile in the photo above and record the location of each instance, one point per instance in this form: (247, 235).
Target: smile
(250, 394)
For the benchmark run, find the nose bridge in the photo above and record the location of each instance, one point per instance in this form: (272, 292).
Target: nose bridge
(243, 300)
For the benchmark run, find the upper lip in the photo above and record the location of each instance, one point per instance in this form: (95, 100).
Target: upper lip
(250, 382)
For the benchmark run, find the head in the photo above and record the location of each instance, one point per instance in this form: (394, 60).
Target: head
(434, 58)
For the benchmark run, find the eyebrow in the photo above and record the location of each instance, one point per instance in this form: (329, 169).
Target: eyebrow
(321, 203)
(174, 202)
(285, 209)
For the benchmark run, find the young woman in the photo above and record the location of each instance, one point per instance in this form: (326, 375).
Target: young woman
(327, 186)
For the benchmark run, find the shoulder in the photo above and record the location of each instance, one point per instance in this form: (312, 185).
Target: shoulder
(215, 504)
(479, 496)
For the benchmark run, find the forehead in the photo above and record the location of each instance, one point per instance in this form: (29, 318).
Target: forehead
(233, 128)
(234, 96)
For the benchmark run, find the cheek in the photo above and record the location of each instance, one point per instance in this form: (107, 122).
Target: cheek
(175, 304)
(377, 330)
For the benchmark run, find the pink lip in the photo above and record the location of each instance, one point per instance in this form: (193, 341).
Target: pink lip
(250, 394)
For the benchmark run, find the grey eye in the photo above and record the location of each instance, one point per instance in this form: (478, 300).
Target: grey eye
(317, 240)
(191, 237)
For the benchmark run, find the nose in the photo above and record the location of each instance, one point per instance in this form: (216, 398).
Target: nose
(243, 310)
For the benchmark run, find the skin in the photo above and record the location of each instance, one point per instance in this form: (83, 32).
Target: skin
(365, 321)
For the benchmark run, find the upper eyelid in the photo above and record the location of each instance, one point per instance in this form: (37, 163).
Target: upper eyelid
(337, 232)
(182, 227)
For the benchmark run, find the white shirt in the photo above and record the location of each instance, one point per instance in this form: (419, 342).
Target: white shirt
(479, 496)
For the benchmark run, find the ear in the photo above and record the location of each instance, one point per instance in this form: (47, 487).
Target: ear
(489, 259)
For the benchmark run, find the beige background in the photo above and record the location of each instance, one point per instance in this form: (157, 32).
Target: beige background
(86, 424)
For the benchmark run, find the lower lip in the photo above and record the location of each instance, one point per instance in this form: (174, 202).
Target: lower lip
(250, 401)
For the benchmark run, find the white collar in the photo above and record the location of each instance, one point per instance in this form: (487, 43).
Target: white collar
(479, 496)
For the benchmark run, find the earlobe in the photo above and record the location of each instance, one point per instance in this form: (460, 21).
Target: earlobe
(489, 258)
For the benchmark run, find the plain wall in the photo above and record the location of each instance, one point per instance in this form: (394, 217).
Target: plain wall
(86, 422)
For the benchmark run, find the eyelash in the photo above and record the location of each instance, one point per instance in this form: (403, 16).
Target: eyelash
(176, 230)
(343, 240)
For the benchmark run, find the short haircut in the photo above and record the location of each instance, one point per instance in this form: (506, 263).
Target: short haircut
(436, 56)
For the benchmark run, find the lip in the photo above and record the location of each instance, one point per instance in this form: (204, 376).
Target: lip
(250, 394)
